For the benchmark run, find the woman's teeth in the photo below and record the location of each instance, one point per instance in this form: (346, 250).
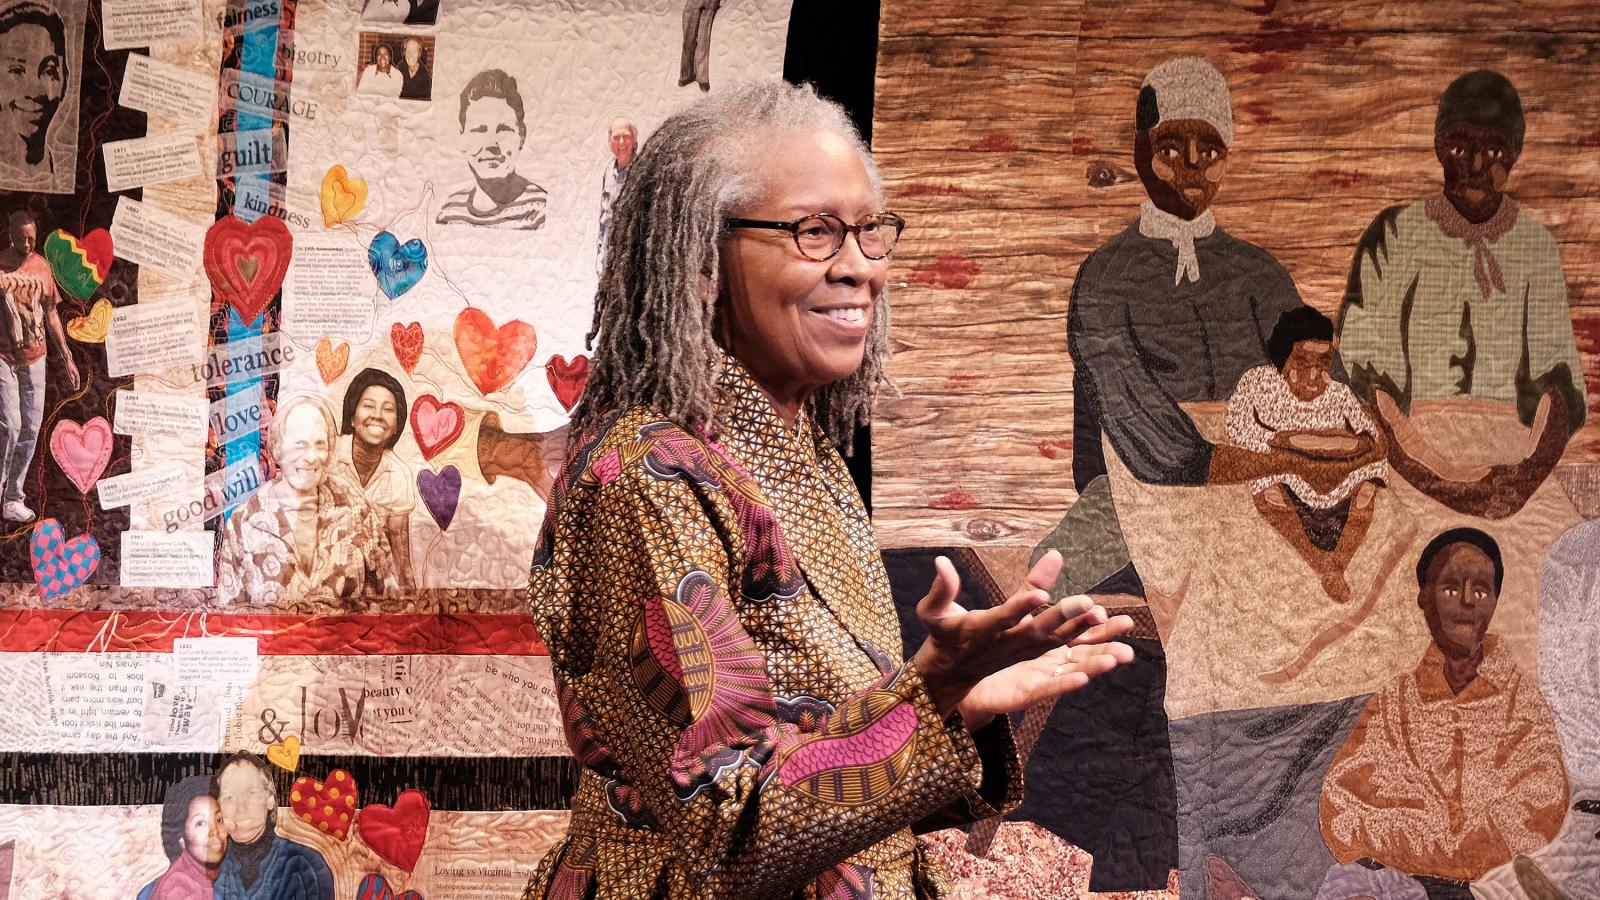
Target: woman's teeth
(848, 315)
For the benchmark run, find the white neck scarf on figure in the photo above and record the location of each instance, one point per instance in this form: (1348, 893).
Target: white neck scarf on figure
(1158, 223)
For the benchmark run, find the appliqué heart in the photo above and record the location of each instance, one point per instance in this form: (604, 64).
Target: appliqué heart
(342, 196)
(397, 834)
(82, 451)
(93, 328)
(398, 266)
(376, 887)
(435, 424)
(440, 493)
(326, 805)
(407, 341)
(493, 356)
(285, 754)
(331, 360)
(79, 264)
(246, 262)
(567, 378)
(59, 565)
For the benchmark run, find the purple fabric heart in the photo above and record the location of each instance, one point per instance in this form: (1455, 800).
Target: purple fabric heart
(440, 493)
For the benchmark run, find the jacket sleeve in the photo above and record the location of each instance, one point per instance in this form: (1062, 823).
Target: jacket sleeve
(1152, 435)
(1374, 315)
(1549, 346)
(662, 687)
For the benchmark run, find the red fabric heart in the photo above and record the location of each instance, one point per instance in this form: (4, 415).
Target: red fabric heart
(96, 246)
(435, 424)
(407, 341)
(493, 356)
(326, 805)
(246, 262)
(397, 834)
(567, 378)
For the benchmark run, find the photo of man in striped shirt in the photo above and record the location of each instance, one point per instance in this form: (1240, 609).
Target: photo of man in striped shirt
(493, 131)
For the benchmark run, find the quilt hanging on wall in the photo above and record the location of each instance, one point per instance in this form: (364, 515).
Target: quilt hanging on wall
(1279, 319)
(295, 297)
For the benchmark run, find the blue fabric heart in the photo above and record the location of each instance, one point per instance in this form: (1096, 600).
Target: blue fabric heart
(398, 266)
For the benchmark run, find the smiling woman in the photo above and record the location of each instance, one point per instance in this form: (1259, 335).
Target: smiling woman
(721, 630)
(34, 79)
(373, 420)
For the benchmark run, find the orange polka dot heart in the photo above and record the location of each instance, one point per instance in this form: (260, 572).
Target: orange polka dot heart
(329, 805)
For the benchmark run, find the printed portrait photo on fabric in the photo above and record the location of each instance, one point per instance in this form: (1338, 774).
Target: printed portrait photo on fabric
(399, 12)
(260, 862)
(194, 838)
(309, 539)
(40, 49)
(402, 68)
(372, 422)
(30, 332)
(494, 130)
(622, 139)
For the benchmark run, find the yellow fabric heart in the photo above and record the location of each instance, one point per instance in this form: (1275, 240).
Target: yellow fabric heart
(342, 196)
(93, 328)
(332, 359)
(285, 754)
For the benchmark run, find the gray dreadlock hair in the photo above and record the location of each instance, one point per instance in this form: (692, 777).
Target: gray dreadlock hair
(655, 311)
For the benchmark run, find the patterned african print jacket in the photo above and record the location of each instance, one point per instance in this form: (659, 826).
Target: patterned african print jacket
(728, 662)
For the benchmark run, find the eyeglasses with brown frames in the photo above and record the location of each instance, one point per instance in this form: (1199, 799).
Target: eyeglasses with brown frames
(821, 236)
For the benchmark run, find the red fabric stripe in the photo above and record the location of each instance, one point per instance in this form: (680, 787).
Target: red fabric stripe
(148, 631)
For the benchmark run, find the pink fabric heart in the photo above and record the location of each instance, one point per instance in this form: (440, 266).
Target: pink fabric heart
(435, 424)
(82, 451)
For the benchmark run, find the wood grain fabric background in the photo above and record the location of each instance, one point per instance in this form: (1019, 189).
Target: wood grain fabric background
(989, 118)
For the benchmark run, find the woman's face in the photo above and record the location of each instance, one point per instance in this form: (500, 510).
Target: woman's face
(376, 416)
(1181, 163)
(303, 458)
(32, 81)
(383, 59)
(413, 54)
(795, 323)
(203, 835)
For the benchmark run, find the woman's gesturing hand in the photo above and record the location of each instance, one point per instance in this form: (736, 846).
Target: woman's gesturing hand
(1014, 651)
(1060, 671)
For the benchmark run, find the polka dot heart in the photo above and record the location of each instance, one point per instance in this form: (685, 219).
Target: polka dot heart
(327, 805)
